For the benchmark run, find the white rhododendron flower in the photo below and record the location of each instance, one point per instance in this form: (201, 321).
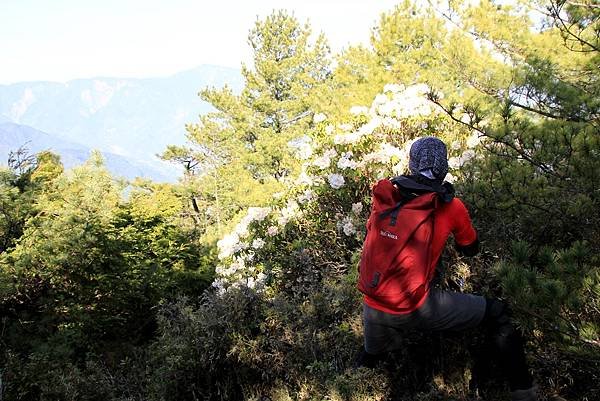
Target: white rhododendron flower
(272, 231)
(302, 147)
(229, 245)
(358, 110)
(383, 155)
(465, 118)
(391, 151)
(387, 109)
(345, 127)
(394, 88)
(354, 137)
(357, 208)
(256, 283)
(324, 161)
(253, 214)
(401, 167)
(466, 156)
(346, 161)
(392, 123)
(416, 90)
(454, 162)
(329, 129)
(457, 162)
(370, 126)
(241, 229)
(413, 108)
(258, 243)
(319, 118)
(406, 102)
(219, 285)
(306, 196)
(238, 264)
(380, 99)
(330, 153)
(258, 213)
(348, 226)
(369, 158)
(291, 210)
(473, 140)
(347, 139)
(336, 181)
(304, 178)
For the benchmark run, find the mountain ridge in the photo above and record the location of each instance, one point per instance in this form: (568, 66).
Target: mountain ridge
(15, 136)
(131, 117)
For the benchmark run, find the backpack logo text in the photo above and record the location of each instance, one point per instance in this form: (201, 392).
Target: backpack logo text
(388, 234)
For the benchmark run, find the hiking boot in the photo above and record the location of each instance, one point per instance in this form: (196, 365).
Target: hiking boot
(364, 359)
(529, 394)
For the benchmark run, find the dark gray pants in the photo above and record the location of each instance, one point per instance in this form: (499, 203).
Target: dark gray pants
(452, 311)
(443, 310)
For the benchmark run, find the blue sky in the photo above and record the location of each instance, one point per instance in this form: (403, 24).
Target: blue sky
(59, 40)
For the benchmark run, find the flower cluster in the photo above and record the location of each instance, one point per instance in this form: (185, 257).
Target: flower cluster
(356, 136)
(324, 161)
(302, 147)
(348, 224)
(472, 142)
(350, 154)
(336, 180)
(405, 102)
(231, 243)
(346, 161)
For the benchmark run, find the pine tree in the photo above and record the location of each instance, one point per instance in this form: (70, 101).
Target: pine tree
(242, 149)
(275, 105)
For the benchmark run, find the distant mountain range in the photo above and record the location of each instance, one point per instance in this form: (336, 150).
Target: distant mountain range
(129, 120)
(14, 136)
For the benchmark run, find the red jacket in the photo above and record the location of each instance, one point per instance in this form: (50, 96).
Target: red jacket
(399, 260)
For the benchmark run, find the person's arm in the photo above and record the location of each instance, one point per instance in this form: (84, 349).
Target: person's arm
(465, 236)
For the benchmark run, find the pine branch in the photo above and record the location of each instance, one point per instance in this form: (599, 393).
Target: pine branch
(555, 10)
(574, 3)
(296, 118)
(510, 145)
(543, 113)
(450, 114)
(573, 335)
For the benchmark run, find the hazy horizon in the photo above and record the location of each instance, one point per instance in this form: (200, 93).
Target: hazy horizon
(100, 77)
(65, 40)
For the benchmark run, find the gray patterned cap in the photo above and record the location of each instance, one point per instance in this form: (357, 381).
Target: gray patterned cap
(429, 157)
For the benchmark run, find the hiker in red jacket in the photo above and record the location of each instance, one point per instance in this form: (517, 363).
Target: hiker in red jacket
(411, 219)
